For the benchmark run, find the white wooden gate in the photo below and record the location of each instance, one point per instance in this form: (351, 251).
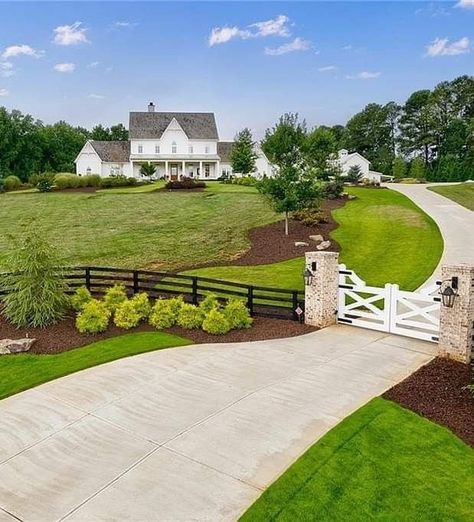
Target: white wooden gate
(388, 309)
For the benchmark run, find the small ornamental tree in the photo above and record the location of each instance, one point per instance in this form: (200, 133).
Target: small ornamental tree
(399, 168)
(291, 189)
(35, 288)
(147, 169)
(243, 154)
(417, 168)
(354, 175)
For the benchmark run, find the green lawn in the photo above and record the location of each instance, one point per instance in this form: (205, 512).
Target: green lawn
(141, 189)
(161, 230)
(383, 235)
(462, 193)
(381, 463)
(23, 371)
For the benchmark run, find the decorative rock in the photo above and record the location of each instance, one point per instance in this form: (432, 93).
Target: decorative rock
(324, 245)
(351, 196)
(301, 244)
(317, 238)
(8, 346)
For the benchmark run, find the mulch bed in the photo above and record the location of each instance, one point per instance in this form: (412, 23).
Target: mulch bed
(437, 391)
(63, 336)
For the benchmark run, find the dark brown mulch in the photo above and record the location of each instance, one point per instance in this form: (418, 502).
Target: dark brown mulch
(437, 391)
(63, 336)
(78, 189)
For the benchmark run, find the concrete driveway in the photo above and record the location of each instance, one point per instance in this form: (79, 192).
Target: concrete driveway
(455, 222)
(191, 433)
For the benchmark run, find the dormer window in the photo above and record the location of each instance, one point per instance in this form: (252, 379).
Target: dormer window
(206, 150)
(140, 149)
(157, 149)
(174, 148)
(190, 149)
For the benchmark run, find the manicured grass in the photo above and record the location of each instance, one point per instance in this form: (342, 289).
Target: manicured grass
(462, 193)
(383, 235)
(141, 189)
(216, 187)
(160, 230)
(23, 371)
(381, 463)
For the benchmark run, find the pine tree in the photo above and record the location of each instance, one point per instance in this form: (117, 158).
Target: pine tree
(243, 154)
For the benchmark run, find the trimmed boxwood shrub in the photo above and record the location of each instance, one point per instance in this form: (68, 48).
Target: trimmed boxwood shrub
(12, 183)
(80, 298)
(114, 296)
(126, 315)
(94, 318)
(216, 323)
(237, 314)
(162, 314)
(92, 180)
(190, 317)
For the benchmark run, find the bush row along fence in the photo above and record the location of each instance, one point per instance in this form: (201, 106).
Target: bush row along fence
(260, 300)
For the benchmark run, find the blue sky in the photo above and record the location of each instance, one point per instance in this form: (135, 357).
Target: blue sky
(247, 62)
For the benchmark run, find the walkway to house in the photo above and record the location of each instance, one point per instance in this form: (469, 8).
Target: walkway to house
(187, 433)
(455, 222)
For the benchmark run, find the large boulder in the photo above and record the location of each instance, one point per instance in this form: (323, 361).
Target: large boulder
(15, 345)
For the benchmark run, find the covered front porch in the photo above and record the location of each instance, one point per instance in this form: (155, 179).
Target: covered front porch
(178, 169)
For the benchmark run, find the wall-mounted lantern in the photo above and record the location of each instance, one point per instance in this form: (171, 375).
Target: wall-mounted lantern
(449, 291)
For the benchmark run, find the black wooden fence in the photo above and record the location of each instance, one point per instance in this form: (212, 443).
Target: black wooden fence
(260, 300)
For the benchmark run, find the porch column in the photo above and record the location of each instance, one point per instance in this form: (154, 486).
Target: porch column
(456, 330)
(200, 169)
(321, 291)
(166, 170)
(218, 168)
(183, 172)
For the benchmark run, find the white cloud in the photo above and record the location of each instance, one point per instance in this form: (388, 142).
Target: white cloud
(298, 44)
(4, 92)
(364, 75)
(6, 69)
(122, 24)
(443, 47)
(18, 50)
(96, 96)
(274, 27)
(465, 4)
(64, 67)
(328, 68)
(347, 48)
(93, 65)
(70, 34)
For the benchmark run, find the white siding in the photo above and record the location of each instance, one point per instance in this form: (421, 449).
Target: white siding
(88, 161)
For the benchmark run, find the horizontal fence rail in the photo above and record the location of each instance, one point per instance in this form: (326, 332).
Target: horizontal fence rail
(260, 300)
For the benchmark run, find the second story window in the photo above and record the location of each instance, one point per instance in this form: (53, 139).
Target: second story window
(174, 148)
(157, 149)
(206, 150)
(140, 149)
(190, 149)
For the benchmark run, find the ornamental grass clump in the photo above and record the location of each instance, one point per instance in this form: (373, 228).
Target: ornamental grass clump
(126, 315)
(216, 323)
(162, 314)
(94, 318)
(80, 298)
(35, 288)
(190, 317)
(237, 314)
(114, 296)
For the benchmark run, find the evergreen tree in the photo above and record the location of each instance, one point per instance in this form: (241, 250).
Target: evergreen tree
(417, 169)
(243, 154)
(399, 168)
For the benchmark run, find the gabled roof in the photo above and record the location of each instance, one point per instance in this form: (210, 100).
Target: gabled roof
(224, 150)
(344, 158)
(151, 125)
(112, 151)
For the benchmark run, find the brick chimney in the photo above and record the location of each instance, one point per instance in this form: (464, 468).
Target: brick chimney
(151, 107)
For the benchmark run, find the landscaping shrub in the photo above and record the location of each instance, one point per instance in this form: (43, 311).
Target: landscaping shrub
(333, 189)
(237, 314)
(126, 315)
(118, 181)
(114, 296)
(2, 185)
(43, 182)
(142, 305)
(246, 181)
(310, 216)
(216, 323)
(12, 183)
(162, 314)
(184, 183)
(35, 285)
(67, 181)
(92, 180)
(210, 302)
(175, 304)
(80, 298)
(94, 318)
(190, 317)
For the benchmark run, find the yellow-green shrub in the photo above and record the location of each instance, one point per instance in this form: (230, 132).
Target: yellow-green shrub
(216, 323)
(210, 302)
(142, 305)
(114, 296)
(190, 317)
(94, 318)
(237, 314)
(162, 314)
(126, 315)
(80, 298)
(12, 183)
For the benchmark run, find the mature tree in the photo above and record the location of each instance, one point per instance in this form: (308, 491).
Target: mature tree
(147, 169)
(399, 168)
(243, 154)
(118, 132)
(417, 168)
(100, 133)
(291, 189)
(282, 144)
(319, 148)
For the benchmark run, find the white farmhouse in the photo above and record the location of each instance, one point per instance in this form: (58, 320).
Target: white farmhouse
(179, 144)
(346, 160)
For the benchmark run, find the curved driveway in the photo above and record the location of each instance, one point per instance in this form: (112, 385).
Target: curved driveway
(190, 433)
(455, 222)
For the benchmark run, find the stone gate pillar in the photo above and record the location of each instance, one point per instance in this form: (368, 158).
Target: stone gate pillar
(321, 292)
(457, 323)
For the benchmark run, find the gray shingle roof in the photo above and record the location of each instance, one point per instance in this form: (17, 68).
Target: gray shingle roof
(150, 125)
(224, 150)
(115, 151)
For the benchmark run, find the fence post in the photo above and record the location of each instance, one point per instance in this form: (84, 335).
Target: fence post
(136, 284)
(195, 290)
(295, 304)
(88, 278)
(250, 299)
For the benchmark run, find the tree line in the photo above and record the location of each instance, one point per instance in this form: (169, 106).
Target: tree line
(28, 146)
